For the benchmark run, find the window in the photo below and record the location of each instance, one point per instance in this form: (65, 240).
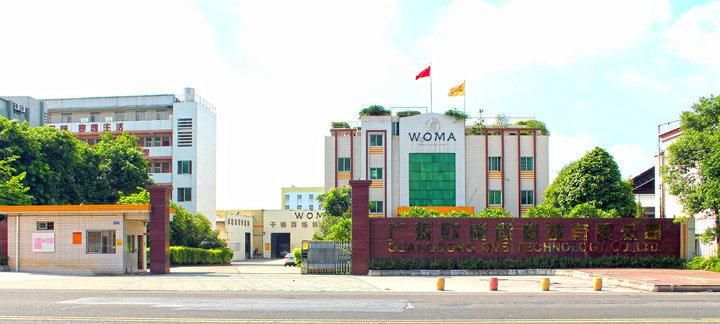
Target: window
(299, 198)
(94, 117)
(376, 140)
(287, 200)
(299, 207)
(376, 207)
(66, 118)
(184, 167)
(140, 115)
(184, 194)
(287, 206)
(311, 198)
(148, 141)
(157, 167)
(376, 173)
(526, 164)
(166, 141)
(119, 116)
(495, 197)
(312, 207)
(343, 164)
(432, 179)
(494, 163)
(102, 242)
(526, 197)
(131, 244)
(158, 141)
(161, 114)
(45, 226)
(396, 128)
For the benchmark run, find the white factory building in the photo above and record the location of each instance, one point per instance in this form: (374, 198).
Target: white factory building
(177, 135)
(436, 160)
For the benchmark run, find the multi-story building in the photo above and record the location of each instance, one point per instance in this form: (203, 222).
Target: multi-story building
(670, 206)
(436, 160)
(644, 191)
(301, 198)
(26, 109)
(177, 136)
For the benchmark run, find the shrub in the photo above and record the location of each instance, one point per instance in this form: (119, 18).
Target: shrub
(707, 264)
(419, 212)
(340, 125)
(541, 262)
(588, 210)
(532, 123)
(477, 129)
(3, 260)
(457, 114)
(374, 110)
(493, 213)
(407, 113)
(544, 211)
(297, 254)
(182, 255)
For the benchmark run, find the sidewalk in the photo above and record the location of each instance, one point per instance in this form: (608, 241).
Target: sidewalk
(270, 277)
(660, 279)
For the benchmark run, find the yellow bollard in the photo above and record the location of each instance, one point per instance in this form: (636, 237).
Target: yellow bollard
(545, 284)
(597, 284)
(440, 283)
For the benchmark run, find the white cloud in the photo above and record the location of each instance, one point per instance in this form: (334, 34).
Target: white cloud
(695, 36)
(631, 77)
(480, 37)
(632, 159)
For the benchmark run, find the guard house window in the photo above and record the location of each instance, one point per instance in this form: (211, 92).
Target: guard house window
(45, 226)
(526, 164)
(494, 163)
(100, 242)
(376, 207)
(184, 167)
(376, 173)
(343, 164)
(119, 116)
(376, 140)
(495, 197)
(526, 197)
(184, 194)
(94, 117)
(66, 118)
(161, 114)
(396, 128)
(140, 115)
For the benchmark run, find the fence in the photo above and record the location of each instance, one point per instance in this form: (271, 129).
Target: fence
(326, 257)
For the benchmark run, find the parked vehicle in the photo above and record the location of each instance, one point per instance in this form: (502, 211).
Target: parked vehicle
(289, 259)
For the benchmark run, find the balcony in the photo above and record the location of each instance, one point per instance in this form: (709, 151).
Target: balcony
(161, 177)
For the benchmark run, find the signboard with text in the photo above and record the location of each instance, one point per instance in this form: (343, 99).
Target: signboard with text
(43, 242)
(521, 237)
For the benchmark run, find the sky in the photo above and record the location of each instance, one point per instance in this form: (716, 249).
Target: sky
(598, 73)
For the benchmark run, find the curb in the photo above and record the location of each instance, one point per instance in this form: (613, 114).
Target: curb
(639, 285)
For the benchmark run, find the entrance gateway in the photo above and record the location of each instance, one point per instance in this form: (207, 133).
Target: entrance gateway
(500, 238)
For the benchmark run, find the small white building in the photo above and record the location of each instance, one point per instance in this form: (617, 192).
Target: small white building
(238, 232)
(284, 230)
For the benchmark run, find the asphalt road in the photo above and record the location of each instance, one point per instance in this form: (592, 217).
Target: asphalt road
(174, 307)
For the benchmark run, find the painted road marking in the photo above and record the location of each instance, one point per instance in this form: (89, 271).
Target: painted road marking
(259, 305)
(231, 320)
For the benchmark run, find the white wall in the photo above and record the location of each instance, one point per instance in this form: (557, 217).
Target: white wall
(272, 223)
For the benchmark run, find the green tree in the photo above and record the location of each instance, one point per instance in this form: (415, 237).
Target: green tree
(544, 211)
(122, 164)
(12, 191)
(693, 162)
(336, 202)
(594, 178)
(186, 228)
(374, 110)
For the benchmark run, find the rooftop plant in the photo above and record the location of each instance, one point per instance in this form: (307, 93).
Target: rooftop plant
(532, 123)
(457, 114)
(340, 125)
(374, 110)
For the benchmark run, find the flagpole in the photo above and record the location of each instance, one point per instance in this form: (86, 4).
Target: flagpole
(431, 110)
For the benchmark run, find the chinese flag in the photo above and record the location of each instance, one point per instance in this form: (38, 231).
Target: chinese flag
(423, 73)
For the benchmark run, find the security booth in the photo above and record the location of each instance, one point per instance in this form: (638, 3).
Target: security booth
(77, 239)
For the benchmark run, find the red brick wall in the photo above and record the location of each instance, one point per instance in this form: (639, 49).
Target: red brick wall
(425, 238)
(4, 237)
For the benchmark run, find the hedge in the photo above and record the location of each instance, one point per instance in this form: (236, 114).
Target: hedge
(529, 263)
(182, 255)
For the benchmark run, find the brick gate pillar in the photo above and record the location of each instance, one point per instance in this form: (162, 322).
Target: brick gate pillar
(159, 232)
(360, 226)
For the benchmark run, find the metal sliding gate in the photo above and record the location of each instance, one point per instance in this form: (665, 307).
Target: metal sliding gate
(326, 257)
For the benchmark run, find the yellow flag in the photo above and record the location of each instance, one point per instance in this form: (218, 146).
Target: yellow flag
(458, 90)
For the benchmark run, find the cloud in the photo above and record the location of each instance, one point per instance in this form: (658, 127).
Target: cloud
(695, 36)
(477, 36)
(632, 159)
(631, 77)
